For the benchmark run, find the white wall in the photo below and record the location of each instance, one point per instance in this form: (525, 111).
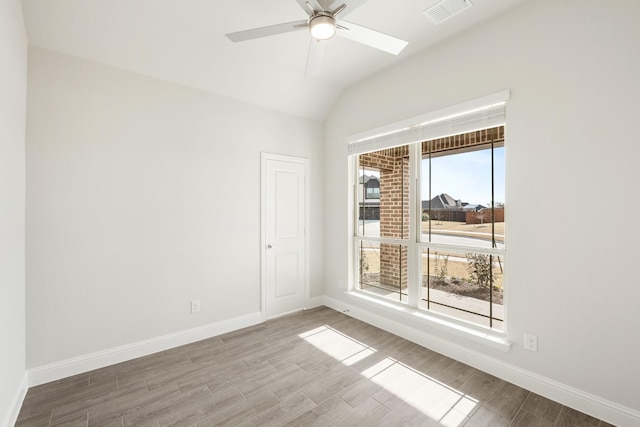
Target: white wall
(142, 196)
(572, 199)
(13, 90)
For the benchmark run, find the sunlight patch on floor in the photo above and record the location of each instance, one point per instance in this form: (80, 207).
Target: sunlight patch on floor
(337, 345)
(433, 398)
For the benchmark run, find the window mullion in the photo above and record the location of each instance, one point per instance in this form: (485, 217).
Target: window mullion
(355, 265)
(413, 252)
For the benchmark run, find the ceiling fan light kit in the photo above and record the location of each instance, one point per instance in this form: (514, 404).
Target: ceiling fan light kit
(322, 27)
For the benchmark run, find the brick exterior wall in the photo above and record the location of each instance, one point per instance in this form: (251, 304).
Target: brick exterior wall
(394, 222)
(464, 140)
(393, 165)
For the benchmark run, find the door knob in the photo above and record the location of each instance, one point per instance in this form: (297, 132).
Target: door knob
(269, 246)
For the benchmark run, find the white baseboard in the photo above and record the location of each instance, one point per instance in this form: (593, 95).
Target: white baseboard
(14, 408)
(78, 365)
(585, 402)
(590, 404)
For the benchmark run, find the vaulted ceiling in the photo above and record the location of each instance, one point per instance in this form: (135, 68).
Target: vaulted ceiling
(183, 41)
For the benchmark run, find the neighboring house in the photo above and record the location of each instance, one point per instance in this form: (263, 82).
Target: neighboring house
(445, 201)
(442, 201)
(369, 197)
(445, 208)
(475, 208)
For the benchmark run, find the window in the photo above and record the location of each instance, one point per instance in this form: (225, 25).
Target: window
(436, 241)
(373, 192)
(462, 204)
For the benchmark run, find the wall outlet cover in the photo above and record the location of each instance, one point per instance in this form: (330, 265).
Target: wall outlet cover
(195, 306)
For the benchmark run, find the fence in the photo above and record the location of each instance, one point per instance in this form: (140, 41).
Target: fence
(455, 214)
(484, 216)
(460, 215)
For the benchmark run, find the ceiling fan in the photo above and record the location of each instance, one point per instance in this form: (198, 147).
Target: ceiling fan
(322, 23)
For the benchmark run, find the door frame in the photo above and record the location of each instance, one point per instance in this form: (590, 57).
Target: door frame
(264, 158)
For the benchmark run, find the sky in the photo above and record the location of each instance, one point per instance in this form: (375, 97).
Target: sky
(465, 176)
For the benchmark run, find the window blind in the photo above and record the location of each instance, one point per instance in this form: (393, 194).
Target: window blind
(482, 113)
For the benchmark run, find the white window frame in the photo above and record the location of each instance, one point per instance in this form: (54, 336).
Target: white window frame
(477, 114)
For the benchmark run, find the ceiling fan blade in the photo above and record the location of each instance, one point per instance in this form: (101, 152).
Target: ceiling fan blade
(271, 30)
(310, 6)
(371, 38)
(314, 59)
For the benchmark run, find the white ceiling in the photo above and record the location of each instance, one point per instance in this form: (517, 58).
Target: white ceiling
(183, 41)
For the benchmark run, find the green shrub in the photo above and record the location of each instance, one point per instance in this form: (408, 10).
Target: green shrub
(480, 269)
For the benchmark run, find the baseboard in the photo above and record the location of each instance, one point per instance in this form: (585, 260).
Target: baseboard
(595, 406)
(78, 365)
(16, 403)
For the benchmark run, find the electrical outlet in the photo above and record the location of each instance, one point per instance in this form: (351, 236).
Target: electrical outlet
(340, 284)
(195, 306)
(530, 342)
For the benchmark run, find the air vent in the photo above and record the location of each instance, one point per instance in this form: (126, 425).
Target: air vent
(446, 9)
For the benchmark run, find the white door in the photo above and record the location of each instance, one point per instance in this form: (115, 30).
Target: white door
(284, 213)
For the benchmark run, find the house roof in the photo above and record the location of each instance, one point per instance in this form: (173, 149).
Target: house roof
(442, 201)
(366, 178)
(474, 207)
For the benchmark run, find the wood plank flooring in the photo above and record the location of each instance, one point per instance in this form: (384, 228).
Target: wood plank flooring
(315, 368)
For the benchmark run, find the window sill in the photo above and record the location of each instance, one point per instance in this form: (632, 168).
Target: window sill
(493, 339)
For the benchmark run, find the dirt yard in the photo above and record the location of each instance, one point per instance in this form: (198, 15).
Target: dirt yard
(456, 280)
(457, 277)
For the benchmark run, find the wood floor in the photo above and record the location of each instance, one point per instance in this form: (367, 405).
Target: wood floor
(316, 368)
